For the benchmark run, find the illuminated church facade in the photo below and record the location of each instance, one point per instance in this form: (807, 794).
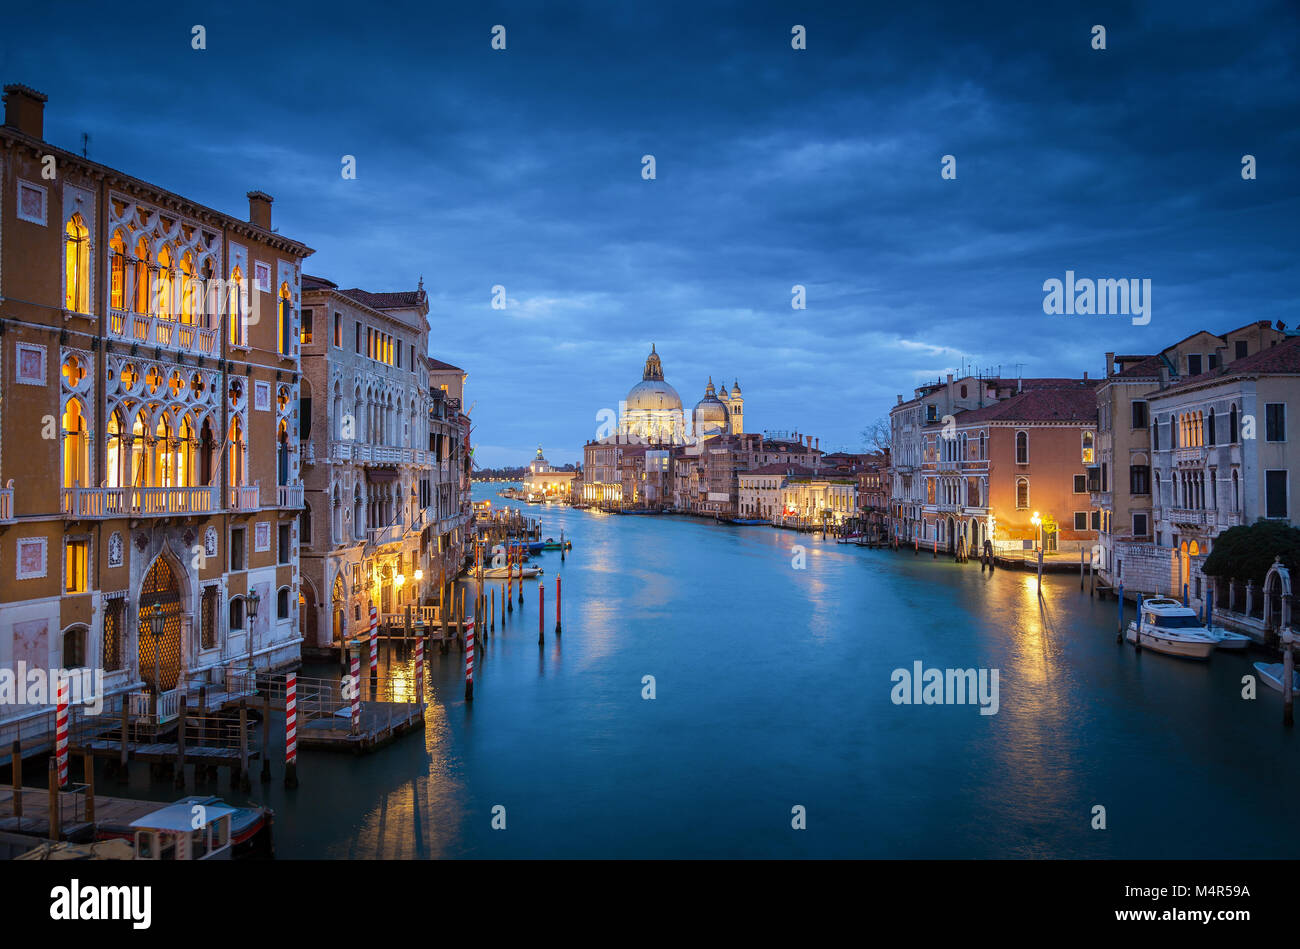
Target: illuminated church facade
(653, 414)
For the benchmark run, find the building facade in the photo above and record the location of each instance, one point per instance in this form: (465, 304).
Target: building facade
(150, 359)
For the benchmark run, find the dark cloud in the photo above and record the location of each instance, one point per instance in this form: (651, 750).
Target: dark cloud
(775, 167)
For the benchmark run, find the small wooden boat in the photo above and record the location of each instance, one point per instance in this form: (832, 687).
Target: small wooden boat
(503, 573)
(1173, 629)
(249, 828)
(1271, 672)
(552, 544)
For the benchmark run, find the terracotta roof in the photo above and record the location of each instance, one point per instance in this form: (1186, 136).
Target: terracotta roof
(387, 300)
(310, 282)
(1076, 403)
(1280, 359)
(1148, 368)
(439, 364)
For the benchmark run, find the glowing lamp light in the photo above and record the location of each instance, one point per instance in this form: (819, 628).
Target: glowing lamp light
(419, 575)
(399, 579)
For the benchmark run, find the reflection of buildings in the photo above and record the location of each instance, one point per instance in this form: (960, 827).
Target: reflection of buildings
(160, 339)
(546, 480)
(386, 462)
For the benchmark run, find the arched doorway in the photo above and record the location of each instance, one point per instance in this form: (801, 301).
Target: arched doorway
(160, 593)
(337, 602)
(307, 612)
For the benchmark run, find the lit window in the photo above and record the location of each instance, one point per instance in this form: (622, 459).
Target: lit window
(76, 556)
(77, 265)
(1088, 439)
(235, 307)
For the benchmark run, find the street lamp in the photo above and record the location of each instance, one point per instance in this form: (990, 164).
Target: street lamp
(1038, 524)
(251, 602)
(157, 625)
(1038, 528)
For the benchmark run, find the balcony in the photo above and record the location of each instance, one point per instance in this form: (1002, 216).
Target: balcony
(1189, 517)
(1189, 457)
(290, 495)
(7, 503)
(117, 502)
(1102, 499)
(168, 334)
(378, 536)
(247, 497)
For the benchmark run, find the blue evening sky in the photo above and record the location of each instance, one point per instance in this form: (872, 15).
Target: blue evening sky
(775, 167)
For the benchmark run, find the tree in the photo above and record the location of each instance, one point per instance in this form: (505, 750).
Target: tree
(1247, 552)
(878, 436)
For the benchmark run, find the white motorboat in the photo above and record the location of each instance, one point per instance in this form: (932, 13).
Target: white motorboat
(1271, 672)
(1173, 629)
(1227, 639)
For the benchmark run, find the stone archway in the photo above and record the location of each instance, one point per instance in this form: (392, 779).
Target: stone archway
(160, 661)
(308, 612)
(1277, 597)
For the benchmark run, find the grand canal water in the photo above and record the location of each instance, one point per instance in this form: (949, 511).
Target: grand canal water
(773, 690)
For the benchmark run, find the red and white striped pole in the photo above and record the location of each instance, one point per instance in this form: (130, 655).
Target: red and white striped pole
(356, 692)
(469, 667)
(61, 731)
(374, 640)
(291, 730)
(510, 580)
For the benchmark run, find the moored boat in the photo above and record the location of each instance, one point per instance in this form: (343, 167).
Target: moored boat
(1227, 639)
(1168, 627)
(502, 573)
(223, 831)
(1271, 672)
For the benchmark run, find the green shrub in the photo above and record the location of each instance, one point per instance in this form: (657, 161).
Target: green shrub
(1246, 553)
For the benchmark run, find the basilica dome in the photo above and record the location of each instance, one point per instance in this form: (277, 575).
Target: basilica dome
(652, 393)
(710, 412)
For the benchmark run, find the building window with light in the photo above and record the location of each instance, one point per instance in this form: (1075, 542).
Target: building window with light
(1022, 494)
(76, 258)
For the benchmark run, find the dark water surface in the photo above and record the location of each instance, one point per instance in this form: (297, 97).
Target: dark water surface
(773, 690)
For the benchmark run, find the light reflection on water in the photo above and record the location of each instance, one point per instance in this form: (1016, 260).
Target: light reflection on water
(773, 690)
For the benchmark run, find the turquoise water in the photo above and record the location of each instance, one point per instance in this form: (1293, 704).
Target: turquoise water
(773, 690)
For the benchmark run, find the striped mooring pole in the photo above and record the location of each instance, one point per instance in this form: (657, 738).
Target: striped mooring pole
(356, 692)
(61, 731)
(469, 667)
(291, 730)
(374, 640)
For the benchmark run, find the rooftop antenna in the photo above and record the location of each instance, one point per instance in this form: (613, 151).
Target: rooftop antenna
(85, 143)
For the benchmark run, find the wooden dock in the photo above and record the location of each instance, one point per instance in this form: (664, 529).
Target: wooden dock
(74, 820)
(380, 723)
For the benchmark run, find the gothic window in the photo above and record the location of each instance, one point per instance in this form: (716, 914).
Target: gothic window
(76, 260)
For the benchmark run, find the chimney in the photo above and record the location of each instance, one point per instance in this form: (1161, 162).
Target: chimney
(25, 110)
(817, 444)
(259, 209)
(1085, 375)
(1221, 354)
(1110, 365)
(1164, 376)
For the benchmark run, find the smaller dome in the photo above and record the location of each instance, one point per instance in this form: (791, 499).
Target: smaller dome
(710, 412)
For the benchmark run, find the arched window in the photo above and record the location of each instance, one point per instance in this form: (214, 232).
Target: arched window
(304, 526)
(164, 459)
(1236, 496)
(236, 613)
(1022, 448)
(235, 307)
(238, 472)
(1211, 435)
(282, 603)
(1022, 494)
(185, 453)
(286, 320)
(142, 258)
(117, 272)
(1232, 426)
(163, 304)
(282, 454)
(76, 449)
(187, 289)
(139, 460)
(76, 262)
(113, 463)
(74, 648)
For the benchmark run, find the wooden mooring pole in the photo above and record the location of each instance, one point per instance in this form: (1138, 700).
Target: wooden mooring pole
(180, 748)
(541, 613)
(54, 800)
(266, 736)
(88, 777)
(17, 768)
(557, 605)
